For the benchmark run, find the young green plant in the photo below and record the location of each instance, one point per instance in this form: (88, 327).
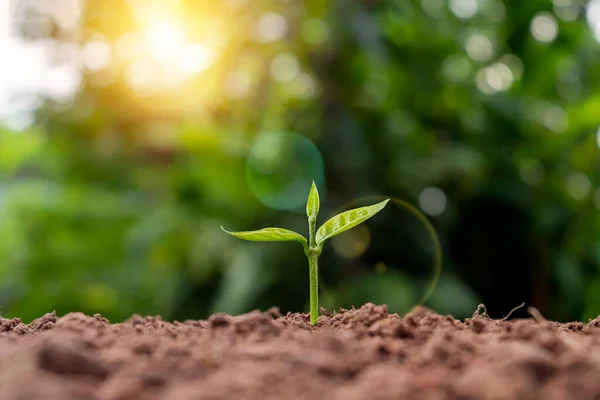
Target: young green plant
(316, 238)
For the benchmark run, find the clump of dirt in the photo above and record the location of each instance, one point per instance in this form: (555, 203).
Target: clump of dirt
(355, 354)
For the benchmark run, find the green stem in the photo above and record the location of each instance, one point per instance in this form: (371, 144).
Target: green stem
(312, 226)
(313, 259)
(313, 253)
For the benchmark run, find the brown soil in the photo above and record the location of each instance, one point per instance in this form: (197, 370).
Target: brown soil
(355, 354)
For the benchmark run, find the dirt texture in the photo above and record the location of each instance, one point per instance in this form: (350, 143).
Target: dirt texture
(359, 354)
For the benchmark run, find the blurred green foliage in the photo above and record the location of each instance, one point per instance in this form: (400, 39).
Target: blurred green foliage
(484, 113)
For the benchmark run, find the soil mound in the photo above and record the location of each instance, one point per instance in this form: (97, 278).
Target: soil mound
(360, 354)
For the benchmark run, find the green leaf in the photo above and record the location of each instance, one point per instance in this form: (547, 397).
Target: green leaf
(269, 235)
(312, 205)
(347, 220)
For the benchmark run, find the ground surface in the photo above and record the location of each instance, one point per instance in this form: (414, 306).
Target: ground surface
(356, 354)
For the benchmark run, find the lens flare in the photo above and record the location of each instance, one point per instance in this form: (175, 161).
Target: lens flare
(281, 168)
(437, 252)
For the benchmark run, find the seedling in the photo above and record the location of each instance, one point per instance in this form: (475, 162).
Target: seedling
(313, 247)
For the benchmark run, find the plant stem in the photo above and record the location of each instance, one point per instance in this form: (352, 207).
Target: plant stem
(313, 259)
(312, 226)
(313, 253)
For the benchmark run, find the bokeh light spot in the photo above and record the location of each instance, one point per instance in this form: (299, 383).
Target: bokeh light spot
(304, 86)
(270, 27)
(285, 68)
(494, 10)
(544, 27)
(68, 14)
(352, 243)
(433, 201)
(531, 172)
(434, 8)
(96, 54)
(380, 267)
(578, 185)
(237, 85)
(464, 9)
(555, 118)
(566, 10)
(456, 68)
(140, 76)
(504, 73)
(568, 78)
(479, 47)
(62, 82)
(315, 31)
(495, 78)
(281, 168)
(514, 63)
(593, 17)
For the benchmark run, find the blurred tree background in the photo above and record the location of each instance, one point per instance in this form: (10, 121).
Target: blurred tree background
(141, 126)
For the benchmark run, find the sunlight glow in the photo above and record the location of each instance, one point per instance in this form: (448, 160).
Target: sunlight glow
(169, 46)
(96, 54)
(164, 39)
(141, 76)
(194, 58)
(237, 85)
(160, 51)
(161, 56)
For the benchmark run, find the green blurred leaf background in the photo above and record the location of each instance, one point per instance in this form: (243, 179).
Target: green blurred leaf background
(162, 120)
